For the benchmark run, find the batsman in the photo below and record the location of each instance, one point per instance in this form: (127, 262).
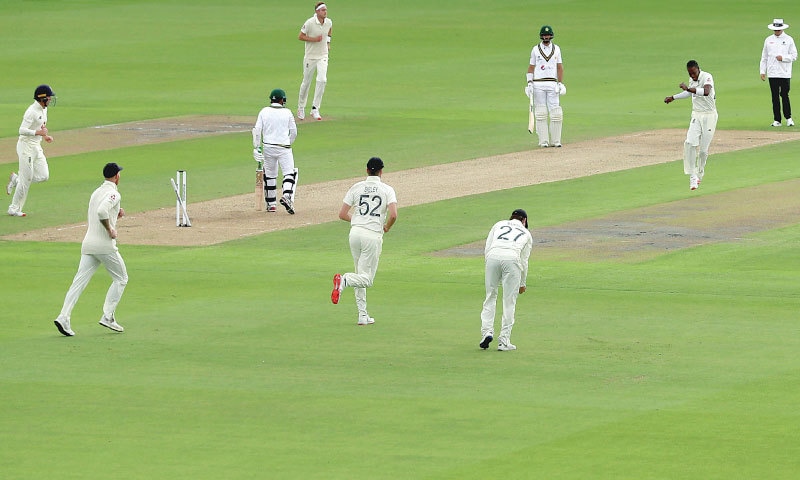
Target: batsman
(273, 136)
(544, 89)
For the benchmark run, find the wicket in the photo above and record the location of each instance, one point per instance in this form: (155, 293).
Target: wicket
(179, 185)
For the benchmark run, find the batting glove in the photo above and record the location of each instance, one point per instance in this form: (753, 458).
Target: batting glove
(529, 90)
(257, 155)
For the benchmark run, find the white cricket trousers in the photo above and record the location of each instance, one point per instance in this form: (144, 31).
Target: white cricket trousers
(320, 66)
(365, 246)
(33, 168)
(88, 265)
(701, 131)
(505, 271)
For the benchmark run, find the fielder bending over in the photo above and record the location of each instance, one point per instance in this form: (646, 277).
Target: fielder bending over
(545, 74)
(273, 136)
(703, 123)
(508, 248)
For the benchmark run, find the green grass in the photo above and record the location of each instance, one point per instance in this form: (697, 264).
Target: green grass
(235, 365)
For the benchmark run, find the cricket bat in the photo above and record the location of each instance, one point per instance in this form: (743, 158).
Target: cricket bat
(530, 116)
(259, 187)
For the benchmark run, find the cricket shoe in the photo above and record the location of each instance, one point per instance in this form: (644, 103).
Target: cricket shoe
(301, 115)
(12, 182)
(63, 327)
(789, 122)
(111, 324)
(17, 214)
(337, 288)
(693, 182)
(557, 144)
(544, 145)
(287, 204)
(486, 341)
(365, 321)
(505, 347)
(776, 124)
(272, 209)
(315, 114)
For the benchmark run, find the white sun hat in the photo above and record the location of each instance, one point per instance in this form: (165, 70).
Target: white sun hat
(778, 24)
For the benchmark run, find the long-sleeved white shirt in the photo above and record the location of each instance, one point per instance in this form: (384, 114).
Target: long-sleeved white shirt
(33, 119)
(774, 46)
(103, 204)
(510, 239)
(275, 125)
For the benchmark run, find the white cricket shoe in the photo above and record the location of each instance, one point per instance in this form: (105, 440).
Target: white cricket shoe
(544, 145)
(12, 182)
(17, 214)
(366, 321)
(776, 124)
(112, 324)
(505, 347)
(693, 182)
(557, 144)
(288, 205)
(63, 326)
(301, 115)
(315, 114)
(789, 122)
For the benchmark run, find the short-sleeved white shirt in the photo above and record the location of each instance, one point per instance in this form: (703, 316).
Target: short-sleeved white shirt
(312, 28)
(703, 103)
(370, 199)
(545, 60)
(103, 204)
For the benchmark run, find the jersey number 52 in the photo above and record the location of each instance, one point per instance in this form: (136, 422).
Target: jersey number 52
(364, 207)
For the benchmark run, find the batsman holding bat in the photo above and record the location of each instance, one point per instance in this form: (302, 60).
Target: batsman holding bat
(273, 136)
(545, 74)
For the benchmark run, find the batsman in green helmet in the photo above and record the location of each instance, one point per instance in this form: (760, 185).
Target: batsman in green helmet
(544, 87)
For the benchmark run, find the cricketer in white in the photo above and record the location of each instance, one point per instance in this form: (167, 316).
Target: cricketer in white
(374, 212)
(508, 248)
(99, 247)
(703, 124)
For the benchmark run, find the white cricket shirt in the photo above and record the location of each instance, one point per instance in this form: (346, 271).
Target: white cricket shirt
(275, 125)
(545, 60)
(103, 204)
(370, 199)
(703, 103)
(510, 239)
(312, 28)
(774, 46)
(33, 119)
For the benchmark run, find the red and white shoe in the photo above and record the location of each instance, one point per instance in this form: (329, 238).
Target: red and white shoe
(337, 289)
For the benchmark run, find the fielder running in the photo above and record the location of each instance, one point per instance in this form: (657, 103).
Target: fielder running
(370, 201)
(273, 136)
(545, 74)
(703, 123)
(99, 247)
(508, 248)
(316, 33)
(33, 166)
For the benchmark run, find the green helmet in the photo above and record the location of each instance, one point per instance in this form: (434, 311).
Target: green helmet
(546, 30)
(277, 95)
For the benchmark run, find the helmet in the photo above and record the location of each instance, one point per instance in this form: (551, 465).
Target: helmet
(546, 30)
(44, 92)
(277, 95)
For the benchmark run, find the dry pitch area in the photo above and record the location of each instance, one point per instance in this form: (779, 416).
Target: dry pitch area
(630, 234)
